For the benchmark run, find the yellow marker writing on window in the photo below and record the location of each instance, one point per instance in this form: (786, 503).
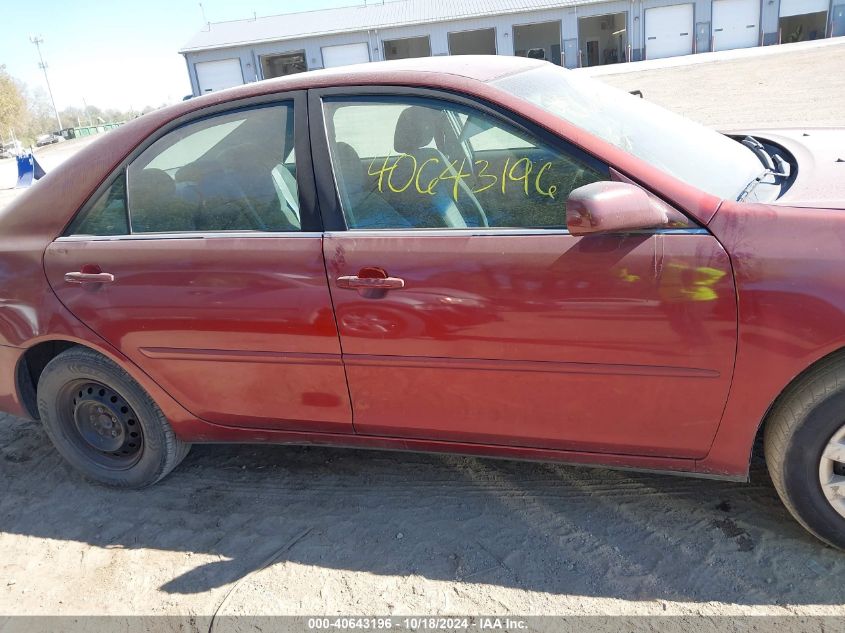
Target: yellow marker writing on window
(519, 171)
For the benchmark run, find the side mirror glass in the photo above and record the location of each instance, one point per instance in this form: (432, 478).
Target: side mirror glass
(612, 207)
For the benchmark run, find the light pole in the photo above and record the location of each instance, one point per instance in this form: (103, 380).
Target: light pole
(87, 115)
(35, 39)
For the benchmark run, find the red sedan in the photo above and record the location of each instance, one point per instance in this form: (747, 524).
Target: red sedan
(483, 255)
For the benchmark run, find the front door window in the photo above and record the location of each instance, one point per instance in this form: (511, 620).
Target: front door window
(434, 165)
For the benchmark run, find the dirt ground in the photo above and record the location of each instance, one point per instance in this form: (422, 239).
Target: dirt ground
(382, 533)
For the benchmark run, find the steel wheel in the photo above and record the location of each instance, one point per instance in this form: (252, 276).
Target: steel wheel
(805, 449)
(832, 471)
(101, 424)
(104, 423)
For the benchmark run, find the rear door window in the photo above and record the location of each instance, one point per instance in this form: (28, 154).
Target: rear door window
(232, 172)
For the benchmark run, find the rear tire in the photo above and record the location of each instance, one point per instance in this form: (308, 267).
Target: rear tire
(802, 439)
(103, 422)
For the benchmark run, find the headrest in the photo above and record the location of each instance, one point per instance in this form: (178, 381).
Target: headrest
(150, 187)
(252, 154)
(154, 204)
(415, 128)
(197, 171)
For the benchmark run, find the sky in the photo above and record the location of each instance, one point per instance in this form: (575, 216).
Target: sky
(120, 54)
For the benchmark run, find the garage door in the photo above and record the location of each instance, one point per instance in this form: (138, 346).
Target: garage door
(800, 7)
(669, 31)
(736, 24)
(345, 54)
(220, 74)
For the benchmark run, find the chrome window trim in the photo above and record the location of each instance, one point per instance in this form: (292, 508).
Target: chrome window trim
(446, 232)
(196, 235)
(503, 232)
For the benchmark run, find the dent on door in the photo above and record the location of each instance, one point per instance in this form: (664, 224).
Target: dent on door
(605, 343)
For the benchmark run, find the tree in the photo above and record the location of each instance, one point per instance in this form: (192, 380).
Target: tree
(41, 118)
(13, 110)
(29, 113)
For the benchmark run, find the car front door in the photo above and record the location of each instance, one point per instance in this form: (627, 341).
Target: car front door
(466, 310)
(202, 262)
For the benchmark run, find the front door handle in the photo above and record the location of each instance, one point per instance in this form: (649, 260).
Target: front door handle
(78, 277)
(371, 282)
(354, 282)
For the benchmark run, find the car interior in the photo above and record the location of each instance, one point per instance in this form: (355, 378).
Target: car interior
(446, 169)
(442, 173)
(241, 182)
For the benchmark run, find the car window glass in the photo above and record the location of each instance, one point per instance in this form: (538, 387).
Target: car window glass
(202, 140)
(107, 216)
(370, 140)
(233, 172)
(431, 164)
(689, 151)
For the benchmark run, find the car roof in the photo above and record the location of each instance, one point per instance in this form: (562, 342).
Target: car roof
(445, 72)
(478, 67)
(437, 71)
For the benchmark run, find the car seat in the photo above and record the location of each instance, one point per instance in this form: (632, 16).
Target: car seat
(421, 132)
(363, 206)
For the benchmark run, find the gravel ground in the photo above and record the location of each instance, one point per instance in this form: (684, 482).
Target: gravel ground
(384, 533)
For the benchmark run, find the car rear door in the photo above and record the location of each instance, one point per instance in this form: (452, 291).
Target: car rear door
(201, 261)
(497, 326)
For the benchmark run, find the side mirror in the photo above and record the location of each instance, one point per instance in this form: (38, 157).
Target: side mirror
(612, 207)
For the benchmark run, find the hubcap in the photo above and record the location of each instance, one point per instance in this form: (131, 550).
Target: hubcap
(106, 428)
(832, 471)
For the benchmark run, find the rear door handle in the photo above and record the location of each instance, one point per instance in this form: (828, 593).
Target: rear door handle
(353, 282)
(82, 278)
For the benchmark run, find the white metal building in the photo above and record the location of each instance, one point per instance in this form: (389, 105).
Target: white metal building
(572, 33)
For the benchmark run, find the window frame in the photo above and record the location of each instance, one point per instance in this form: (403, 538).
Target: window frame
(308, 208)
(327, 193)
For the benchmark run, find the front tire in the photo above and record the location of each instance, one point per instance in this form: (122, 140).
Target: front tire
(805, 450)
(103, 422)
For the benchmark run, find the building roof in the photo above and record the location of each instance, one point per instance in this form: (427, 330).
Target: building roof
(361, 17)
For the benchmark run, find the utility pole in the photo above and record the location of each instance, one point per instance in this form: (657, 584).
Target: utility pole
(37, 40)
(87, 114)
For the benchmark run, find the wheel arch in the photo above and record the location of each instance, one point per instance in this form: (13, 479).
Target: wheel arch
(836, 356)
(30, 366)
(41, 351)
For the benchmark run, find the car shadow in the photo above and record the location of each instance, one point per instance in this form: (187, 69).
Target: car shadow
(533, 526)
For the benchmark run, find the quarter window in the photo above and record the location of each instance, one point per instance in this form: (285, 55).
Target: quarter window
(107, 216)
(233, 172)
(419, 163)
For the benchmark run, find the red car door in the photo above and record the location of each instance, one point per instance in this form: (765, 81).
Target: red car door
(467, 312)
(202, 262)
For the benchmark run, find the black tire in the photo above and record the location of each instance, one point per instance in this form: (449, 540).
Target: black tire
(797, 431)
(103, 423)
